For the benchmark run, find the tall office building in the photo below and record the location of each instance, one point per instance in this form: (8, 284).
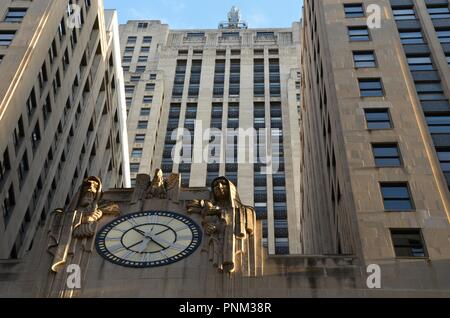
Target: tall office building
(223, 79)
(375, 131)
(61, 112)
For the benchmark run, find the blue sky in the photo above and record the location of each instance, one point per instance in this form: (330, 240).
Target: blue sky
(186, 14)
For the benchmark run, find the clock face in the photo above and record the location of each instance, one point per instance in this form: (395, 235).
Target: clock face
(148, 239)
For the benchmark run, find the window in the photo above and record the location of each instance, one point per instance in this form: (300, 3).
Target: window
(129, 49)
(230, 35)
(411, 37)
(129, 89)
(404, 14)
(8, 203)
(129, 100)
(430, 91)
(15, 14)
(440, 11)
(127, 59)
(386, 155)
(194, 83)
(354, 10)
(136, 153)
(145, 49)
(447, 55)
(134, 167)
(152, 76)
(139, 138)
(364, 59)
(132, 39)
(1, 58)
(142, 124)
(358, 33)
(147, 99)
(142, 25)
(4, 165)
(438, 124)
(140, 69)
(420, 63)
(444, 159)
(23, 168)
(147, 39)
(408, 243)
(145, 112)
(6, 37)
(265, 36)
(443, 35)
(149, 87)
(36, 136)
(370, 87)
(396, 197)
(258, 52)
(135, 78)
(143, 59)
(195, 35)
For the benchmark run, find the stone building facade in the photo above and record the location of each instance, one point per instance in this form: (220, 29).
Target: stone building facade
(225, 79)
(61, 78)
(375, 131)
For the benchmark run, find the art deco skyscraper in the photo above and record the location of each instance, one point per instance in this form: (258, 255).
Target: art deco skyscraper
(376, 130)
(62, 114)
(226, 78)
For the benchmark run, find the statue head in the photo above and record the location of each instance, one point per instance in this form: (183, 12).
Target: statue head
(221, 190)
(159, 175)
(90, 191)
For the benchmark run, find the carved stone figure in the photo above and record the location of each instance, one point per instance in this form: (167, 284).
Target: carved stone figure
(227, 222)
(88, 206)
(158, 186)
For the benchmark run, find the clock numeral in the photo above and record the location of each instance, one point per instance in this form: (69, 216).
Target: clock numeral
(177, 247)
(133, 222)
(180, 227)
(184, 238)
(116, 248)
(129, 255)
(153, 218)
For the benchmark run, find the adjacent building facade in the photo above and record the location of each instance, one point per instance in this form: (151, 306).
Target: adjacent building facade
(375, 131)
(62, 113)
(220, 79)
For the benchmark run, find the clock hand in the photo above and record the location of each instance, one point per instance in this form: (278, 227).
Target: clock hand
(134, 244)
(163, 247)
(161, 232)
(140, 231)
(143, 245)
(160, 241)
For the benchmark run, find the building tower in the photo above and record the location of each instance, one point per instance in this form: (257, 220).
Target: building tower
(61, 112)
(375, 130)
(223, 79)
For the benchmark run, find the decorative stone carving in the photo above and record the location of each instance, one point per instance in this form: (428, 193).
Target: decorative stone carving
(76, 223)
(158, 186)
(88, 205)
(140, 189)
(228, 224)
(173, 187)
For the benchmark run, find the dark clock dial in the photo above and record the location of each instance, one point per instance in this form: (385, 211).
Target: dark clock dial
(148, 239)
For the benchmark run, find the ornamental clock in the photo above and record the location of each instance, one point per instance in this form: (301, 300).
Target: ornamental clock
(148, 239)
